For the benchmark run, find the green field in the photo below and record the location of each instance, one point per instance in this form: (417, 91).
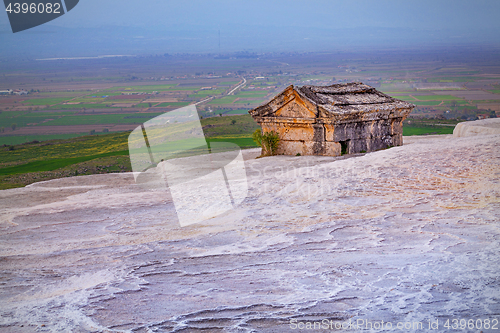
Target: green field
(88, 100)
(184, 89)
(240, 111)
(437, 97)
(23, 118)
(454, 79)
(426, 130)
(68, 94)
(79, 106)
(18, 139)
(142, 105)
(170, 104)
(406, 98)
(428, 126)
(264, 84)
(223, 100)
(217, 126)
(427, 103)
(254, 101)
(46, 101)
(145, 88)
(27, 163)
(243, 142)
(54, 164)
(60, 149)
(251, 94)
(205, 93)
(99, 119)
(228, 83)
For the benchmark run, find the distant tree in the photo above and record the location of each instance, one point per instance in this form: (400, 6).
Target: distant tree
(220, 114)
(2, 129)
(13, 126)
(105, 130)
(150, 104)
(453, 103)
(233, 121)
(92, 132)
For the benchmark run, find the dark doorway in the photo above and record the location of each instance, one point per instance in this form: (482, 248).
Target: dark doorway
(344, 147)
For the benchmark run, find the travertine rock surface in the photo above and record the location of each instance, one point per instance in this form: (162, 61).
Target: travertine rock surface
(408, 234)
(477, 127)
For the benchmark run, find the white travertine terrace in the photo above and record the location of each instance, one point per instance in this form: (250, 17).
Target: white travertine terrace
(477, 127)
(407, 234)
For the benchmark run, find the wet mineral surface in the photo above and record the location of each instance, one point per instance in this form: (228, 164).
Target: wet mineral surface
(407, 235)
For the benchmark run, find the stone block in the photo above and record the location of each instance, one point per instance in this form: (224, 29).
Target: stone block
(294, 133)
(332, 149)
(329, 132)
(291, 148)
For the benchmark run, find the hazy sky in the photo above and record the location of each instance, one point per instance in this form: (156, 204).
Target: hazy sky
(260, 24)
(433, 14)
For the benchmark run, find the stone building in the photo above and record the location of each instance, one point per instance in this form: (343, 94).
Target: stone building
(333, 120)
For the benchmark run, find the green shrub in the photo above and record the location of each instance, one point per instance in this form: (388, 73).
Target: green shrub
(257, 137)
(268, 141)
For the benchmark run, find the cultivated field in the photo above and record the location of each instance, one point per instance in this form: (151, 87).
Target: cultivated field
(112, 95)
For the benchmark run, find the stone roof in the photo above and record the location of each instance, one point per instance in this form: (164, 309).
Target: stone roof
(350, 96)
(339, 100)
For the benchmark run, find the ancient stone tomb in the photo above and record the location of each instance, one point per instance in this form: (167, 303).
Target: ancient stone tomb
(333, 120)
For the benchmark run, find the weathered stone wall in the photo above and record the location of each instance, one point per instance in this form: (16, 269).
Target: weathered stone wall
(308, 138)
(368, 135)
